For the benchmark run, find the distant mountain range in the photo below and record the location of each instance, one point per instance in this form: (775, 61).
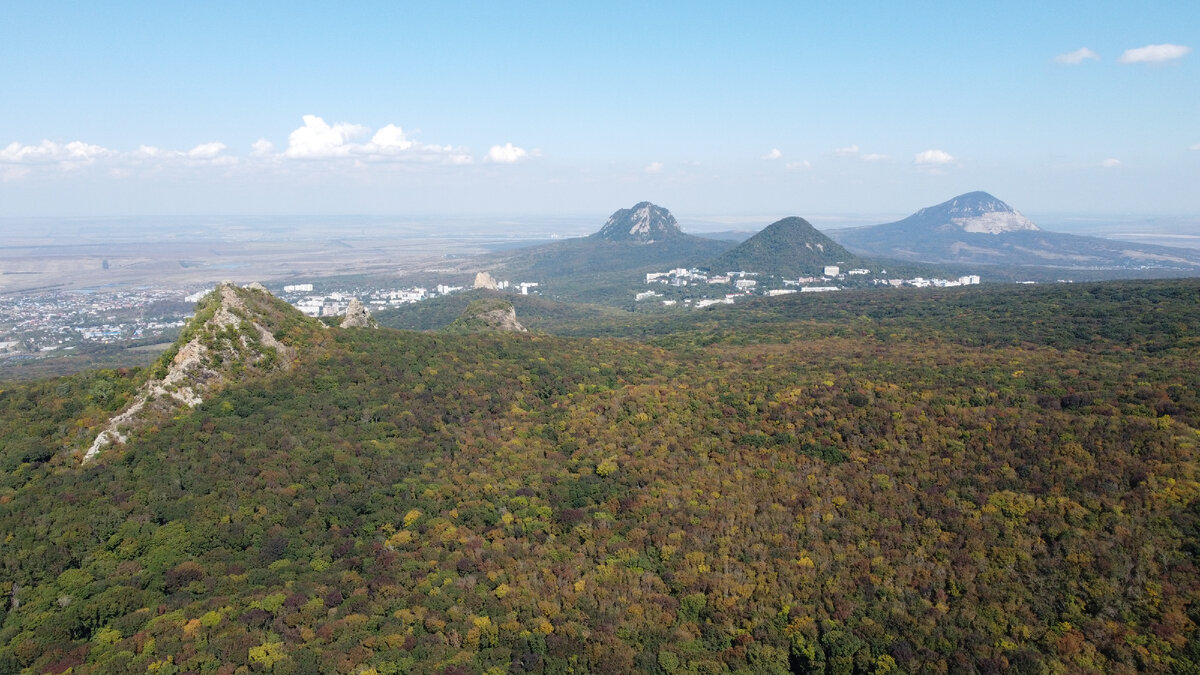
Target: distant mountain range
(789, 247)
(978, 228)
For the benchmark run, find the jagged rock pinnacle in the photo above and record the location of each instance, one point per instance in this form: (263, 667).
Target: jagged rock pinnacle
(357, 316)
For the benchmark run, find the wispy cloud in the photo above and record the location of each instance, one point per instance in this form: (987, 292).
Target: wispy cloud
(654, 167)
(506, 154)
(68, 155)
(50, 156)
(798, 166)
(1155, 53)
(1077, 57)
(1110, 163)
(205, 153)
(854, 151)
(206, 150)
(1195, 147)
(316, 143)
(933, 157)
(775, 153)
(262, 148)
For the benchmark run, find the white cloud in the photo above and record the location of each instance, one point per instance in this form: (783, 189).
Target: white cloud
(933, 157)
(506, 154)
(206, 150)
(391, 138)
(797, 166)
(1195, 147)
(1077, 57)
(654, 167)
(1110, 163)
(876, 157)
(262, 147)
(1155, 54)
(846, 151)
(316, 139)
(319, 140)
(775, 153)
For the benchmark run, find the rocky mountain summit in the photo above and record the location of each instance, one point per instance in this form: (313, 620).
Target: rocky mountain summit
(234, 331)
(976, 212)
(639, 239)
(978, 228)
(645, 223)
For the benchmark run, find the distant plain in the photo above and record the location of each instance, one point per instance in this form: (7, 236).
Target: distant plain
(48, 254)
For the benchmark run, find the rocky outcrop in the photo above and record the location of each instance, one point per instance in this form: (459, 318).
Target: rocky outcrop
(485, 281)
(502, 319)
(489, 314)
(226, 334)
(358, 316)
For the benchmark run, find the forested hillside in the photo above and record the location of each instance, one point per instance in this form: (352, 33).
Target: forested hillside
(930, 482)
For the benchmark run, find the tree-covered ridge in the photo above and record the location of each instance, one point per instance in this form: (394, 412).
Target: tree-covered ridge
(871, 491)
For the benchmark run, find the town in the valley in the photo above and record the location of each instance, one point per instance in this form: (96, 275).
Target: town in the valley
(42, 324)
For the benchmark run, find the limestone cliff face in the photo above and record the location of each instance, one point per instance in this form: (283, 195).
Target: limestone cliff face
(357, 316)
(228, 334)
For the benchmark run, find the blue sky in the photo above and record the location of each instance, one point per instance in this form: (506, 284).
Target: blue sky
(509, 108)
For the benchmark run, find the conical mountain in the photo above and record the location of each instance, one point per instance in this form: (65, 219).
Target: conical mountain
(978, 228)
(788, 247)
(645, 223)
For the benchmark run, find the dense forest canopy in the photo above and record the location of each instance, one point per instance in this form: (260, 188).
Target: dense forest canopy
(993, 479)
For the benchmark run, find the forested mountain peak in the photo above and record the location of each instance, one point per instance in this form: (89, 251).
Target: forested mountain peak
(645, 223)
(789, 247)
(233, 333)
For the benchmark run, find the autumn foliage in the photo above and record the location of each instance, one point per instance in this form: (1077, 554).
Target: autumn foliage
(897, 485)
